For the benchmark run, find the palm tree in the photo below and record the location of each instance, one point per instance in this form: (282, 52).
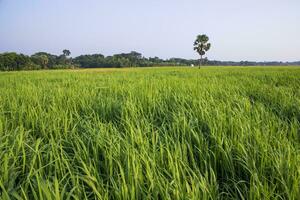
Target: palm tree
(201, 45)
(66, 52)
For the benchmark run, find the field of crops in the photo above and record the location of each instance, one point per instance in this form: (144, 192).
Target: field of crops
(153, 133)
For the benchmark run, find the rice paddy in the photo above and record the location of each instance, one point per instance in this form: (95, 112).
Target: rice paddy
(151, 133)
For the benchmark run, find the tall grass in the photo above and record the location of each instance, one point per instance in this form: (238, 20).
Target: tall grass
(161, 133)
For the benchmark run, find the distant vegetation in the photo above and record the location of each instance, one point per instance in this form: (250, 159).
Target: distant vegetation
(42, 60)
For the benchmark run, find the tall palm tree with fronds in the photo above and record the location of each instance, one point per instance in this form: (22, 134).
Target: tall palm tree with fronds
(66, 52)
(201, 45)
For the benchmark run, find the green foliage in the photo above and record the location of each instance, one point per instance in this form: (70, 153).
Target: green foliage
(162, 133)
(52, 59)
(66, 52)
(14, 61)
(43, 60)
(201, 45)
(133, 59)
(95, 60)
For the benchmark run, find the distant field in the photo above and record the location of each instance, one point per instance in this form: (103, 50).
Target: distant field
(152, 133)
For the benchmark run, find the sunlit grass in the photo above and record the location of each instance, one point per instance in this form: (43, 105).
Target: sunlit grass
(152, 133)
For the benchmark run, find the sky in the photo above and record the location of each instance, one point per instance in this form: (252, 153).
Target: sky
(255, 30)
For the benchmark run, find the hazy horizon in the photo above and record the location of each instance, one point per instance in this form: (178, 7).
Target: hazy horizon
(250, 30)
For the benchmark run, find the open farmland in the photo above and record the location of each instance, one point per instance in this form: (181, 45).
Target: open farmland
(153, 133)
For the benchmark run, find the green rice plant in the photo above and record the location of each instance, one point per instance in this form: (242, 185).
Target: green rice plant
(150, 133)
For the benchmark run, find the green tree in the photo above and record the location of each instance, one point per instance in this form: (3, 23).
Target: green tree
(66, 52)
(63, 59)
(201, 45)
(52, 59)
(44, 61)
(41, 60)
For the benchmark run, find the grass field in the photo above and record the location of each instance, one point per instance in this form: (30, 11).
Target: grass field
(154, 133)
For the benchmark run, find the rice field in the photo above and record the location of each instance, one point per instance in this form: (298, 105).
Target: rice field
(151, 133)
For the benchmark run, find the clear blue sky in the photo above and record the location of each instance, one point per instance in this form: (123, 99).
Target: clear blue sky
(258, 30)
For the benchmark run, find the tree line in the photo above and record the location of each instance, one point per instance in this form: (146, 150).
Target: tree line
(12, 61)
(42, 60)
